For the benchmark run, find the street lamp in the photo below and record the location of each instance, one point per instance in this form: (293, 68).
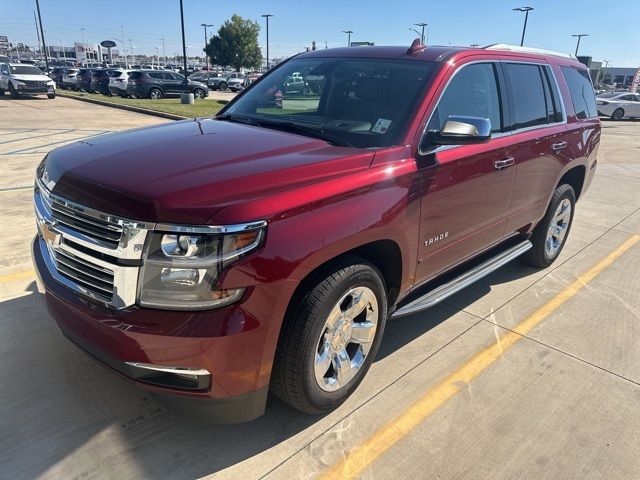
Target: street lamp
(266, 17)
(164, 52)
(84, 44)
(186, 97)
(605, 70)
(579, 35)
(526, 11)
(44, 44)
(422, 24)
(348, 32)
(206, 40)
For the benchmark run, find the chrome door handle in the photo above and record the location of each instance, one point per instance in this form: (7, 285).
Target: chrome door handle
(504, 163)
(559, 146)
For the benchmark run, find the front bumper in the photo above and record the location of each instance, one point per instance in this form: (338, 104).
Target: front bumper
(234, 344)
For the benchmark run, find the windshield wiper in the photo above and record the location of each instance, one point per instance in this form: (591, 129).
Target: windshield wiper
(234, 117)
(308, 130)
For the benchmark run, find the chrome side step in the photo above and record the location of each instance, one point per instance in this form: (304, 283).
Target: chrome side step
(444, 291)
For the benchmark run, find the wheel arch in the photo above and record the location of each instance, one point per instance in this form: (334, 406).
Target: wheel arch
(574, 177)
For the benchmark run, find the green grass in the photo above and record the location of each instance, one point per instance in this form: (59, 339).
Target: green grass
(201, 108)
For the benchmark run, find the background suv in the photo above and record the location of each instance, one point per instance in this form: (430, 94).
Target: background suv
(225, 80)
(23, 79)
(156, 84)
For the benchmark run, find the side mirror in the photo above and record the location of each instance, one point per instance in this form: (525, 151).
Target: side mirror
(461, 130)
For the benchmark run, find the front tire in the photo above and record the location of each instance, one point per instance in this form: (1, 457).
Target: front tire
(199, 93)
(51, 96)
(222, 86)
(330, 336)
(550, 235)
(14, 93)
(618, 114)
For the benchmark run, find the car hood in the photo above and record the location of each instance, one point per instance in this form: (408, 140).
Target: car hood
(185, 171)
(39, 78)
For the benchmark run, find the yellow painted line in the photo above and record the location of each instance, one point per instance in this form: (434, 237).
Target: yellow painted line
(16, 276)
(383, 439)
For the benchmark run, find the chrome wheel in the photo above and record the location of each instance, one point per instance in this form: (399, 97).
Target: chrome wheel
(155, 94)
(346, 339)
(618, 114)
(558, 228)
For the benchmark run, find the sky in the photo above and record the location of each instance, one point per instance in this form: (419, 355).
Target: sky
(614, 31)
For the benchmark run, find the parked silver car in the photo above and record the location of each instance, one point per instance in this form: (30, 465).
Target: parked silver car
(24, 79)
(619, 105)
(118, 83)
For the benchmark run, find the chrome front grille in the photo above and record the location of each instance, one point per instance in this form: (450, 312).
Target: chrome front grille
(88, 275)
(93, 253)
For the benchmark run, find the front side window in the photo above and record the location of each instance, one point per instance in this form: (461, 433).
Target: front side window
(362, 102)
(472, 91)
(581, 91)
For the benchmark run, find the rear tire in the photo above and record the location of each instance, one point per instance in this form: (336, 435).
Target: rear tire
(222, 86)
(550, 235)
(155, 94)
(330, 336)
(618, 114)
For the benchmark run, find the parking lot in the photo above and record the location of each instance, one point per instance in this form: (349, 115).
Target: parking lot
(526, 374)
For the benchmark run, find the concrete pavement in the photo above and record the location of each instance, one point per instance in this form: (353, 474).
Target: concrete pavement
(562, 401)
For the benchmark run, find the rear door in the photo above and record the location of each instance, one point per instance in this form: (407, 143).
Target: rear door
(467, 189)
(539, 136)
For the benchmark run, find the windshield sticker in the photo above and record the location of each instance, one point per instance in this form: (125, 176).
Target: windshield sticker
(381, 126)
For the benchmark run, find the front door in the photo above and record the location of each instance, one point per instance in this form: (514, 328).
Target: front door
(467, 190)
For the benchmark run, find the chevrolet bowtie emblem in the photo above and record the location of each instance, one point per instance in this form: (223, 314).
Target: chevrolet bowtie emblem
(49, 235)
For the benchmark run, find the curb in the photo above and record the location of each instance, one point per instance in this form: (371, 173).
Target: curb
(130, 108)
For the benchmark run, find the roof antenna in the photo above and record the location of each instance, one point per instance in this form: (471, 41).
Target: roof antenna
(416, 47)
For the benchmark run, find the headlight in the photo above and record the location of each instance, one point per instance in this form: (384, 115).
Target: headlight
(182, 267)
(20, 84)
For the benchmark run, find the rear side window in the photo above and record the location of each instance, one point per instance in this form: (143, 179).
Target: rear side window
(555, 109)
(581, 91)
(473, 91)
(529, 96)
(157, 75)
(135, 75)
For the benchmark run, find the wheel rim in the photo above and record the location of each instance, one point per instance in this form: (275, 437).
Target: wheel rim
(199, 94)
(558, 229)
(155, 94)
(617, 114)
(346, 339)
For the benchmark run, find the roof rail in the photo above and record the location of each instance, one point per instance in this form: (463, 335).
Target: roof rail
(517, 48)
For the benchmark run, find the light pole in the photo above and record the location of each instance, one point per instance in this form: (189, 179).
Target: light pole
(348, 32)
(526, 11)
(422, 24)
(124, 49)
(606, 68)
(84, 44)
(44, 44)
(164, 52)
(579, 35)
(206, 40)
(266, 17)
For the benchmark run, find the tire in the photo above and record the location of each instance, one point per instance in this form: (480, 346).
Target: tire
(199, 93)
(51, 96)
(618, 114)
(222, 86)
(13, 92)
(306, 337)
(155, 94)
(548, 245)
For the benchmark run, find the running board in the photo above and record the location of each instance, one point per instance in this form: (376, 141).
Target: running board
(444, 291)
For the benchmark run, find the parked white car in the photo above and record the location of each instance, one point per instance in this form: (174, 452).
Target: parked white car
(118, 83)
(23, 79)
(69, 79)
(619, 105)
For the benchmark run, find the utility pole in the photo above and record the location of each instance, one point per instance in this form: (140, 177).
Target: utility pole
(206, 41)
(37, 32)
(526, 11)
(164, 52)
(266, 16)
(84, 45)
(422, 24)
(348, 32)
(185, 97)
(133, 60)
(124, 49)
(579, 35)
(63, 51)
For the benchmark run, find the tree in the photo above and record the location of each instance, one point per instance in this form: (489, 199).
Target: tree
(236, 44)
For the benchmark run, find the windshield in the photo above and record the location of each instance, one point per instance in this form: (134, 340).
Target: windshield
(25, 70)
(364, 102)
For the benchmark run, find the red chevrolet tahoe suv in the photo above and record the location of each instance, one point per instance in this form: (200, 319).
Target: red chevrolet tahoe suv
(213, 260)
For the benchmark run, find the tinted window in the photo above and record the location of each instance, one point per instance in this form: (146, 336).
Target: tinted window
(581, 90)
(528, 94)
(25, 70)
(473, 91)
(157, 75)
(628, 98)
(555, 109)
(135, 75)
